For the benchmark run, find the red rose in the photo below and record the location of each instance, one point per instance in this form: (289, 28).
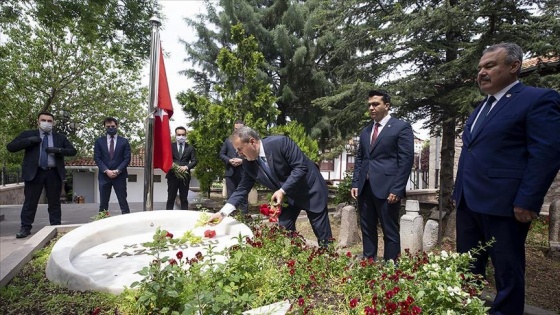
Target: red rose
(353, 302)
(265, 209)
(209, 233)
(172, 261)
(169, 235)
(179, 255)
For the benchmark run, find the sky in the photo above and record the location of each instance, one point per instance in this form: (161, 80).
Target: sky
(172, 30)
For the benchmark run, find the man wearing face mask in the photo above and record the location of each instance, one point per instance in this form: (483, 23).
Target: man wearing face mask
(112, 155)
(184, 158)
(43, 166)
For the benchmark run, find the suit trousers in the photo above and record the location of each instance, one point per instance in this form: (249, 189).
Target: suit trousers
(50, 180)
(319, 222)
(119, 184)
(175, 184)
(507, 254)
(373, 210)
(231, 184)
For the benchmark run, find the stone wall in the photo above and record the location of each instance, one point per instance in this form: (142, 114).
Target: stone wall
(11, 194)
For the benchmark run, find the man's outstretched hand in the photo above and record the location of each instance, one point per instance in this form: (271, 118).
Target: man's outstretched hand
(215, 218)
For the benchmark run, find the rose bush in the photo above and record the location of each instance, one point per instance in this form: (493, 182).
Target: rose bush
(277, 265)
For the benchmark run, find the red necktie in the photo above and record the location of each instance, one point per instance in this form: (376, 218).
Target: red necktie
(112, 147)
(374, 134)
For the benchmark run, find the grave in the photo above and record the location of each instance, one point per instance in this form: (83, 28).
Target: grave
(105, 255)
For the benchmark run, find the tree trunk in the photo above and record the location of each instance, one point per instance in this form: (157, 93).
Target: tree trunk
(447, 168)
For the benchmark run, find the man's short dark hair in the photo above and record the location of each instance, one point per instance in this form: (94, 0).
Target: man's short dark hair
(110, 120)
(45, 113)
(180, 128)
(245, 134)
(239, 121)
(385, 96)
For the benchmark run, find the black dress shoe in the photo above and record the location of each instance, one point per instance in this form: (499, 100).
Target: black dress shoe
(23, 233)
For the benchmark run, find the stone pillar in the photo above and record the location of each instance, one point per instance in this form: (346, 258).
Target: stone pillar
(554, 228)
(349, 230)
(253, 197)
(224, 188)
(412, 225)
(430, 237)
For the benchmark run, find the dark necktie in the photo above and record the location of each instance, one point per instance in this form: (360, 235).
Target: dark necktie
(112, 147)
(266, 169)
(483, 114)
(374, 134)
(180, 149)
(44, 163)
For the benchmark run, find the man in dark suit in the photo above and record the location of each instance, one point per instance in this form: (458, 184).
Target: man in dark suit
(280, 165)
(43, 166)
(234, 168)
(184, 158)
(510, 156)
(382, 167)
(112, 155)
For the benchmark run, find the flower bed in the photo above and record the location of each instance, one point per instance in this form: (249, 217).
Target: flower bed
(277, 265)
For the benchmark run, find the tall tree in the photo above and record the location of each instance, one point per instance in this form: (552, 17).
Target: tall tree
(425, 53)
(78, 78)
(243, 95)
(296, 49)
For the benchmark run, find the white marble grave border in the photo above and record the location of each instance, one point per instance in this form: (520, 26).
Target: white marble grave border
(68, 264)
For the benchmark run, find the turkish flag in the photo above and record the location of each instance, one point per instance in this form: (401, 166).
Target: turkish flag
(163, 157)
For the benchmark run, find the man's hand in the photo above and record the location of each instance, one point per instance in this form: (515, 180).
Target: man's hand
(216, 218)
(354, 193)
(277, 197)
(524, 215)
(235, 161)
(393, 198)
(183, 168)
(112, 173)
(34, 140)
(54, 150)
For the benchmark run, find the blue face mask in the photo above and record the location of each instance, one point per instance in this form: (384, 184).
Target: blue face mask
(111, 131)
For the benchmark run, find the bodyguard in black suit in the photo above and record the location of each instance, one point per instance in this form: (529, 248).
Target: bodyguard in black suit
(43, 166)
(279, 164)
(234, 167)
(112, 155)
(184, 158)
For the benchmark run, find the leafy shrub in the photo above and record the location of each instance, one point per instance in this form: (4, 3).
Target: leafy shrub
(277, 265)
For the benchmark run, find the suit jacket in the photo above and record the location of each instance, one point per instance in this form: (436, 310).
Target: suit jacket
(30, 162)
(291, 170)
(388, 162)
(120, 160)
(188, 158)
(228, 152)
(515, 155)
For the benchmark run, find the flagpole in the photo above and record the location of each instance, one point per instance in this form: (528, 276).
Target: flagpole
(149, 149)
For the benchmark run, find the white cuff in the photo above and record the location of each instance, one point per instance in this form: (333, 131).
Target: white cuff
(227, 209)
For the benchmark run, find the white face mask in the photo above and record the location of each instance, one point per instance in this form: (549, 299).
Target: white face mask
(45, 126)
(181, 139)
